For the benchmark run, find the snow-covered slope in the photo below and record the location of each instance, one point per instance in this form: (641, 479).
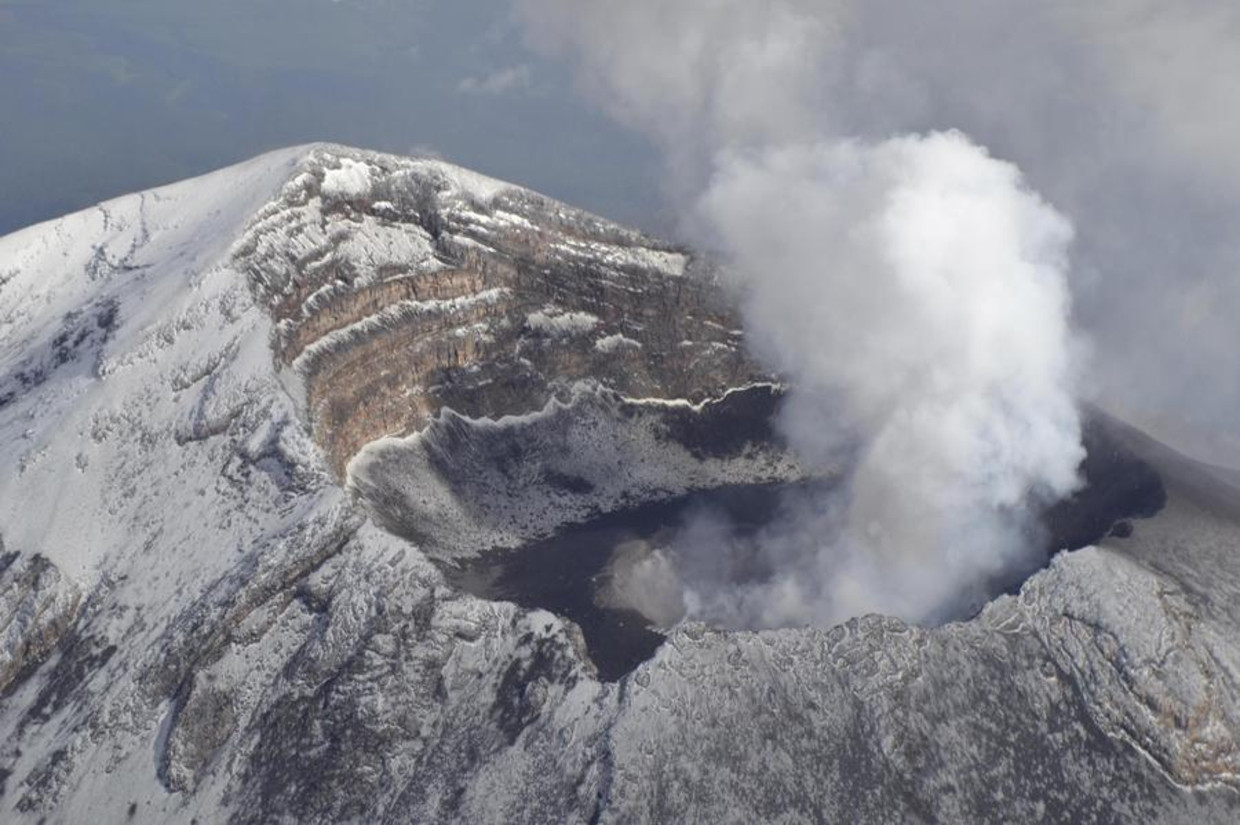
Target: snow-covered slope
(198, 621)
(110, 318)
(176, 544)
(151, 457)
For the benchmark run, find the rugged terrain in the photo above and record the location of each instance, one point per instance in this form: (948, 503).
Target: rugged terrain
(244, 418)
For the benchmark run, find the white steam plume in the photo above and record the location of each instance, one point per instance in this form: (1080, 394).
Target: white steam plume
(914, 294)
(912, 288)
(1123, 113)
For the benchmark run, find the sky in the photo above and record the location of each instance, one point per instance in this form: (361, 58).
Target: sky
(103, 98)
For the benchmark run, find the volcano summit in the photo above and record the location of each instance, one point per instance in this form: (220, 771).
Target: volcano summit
(340, 486)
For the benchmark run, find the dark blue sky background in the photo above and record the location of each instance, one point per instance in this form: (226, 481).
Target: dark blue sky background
(103, 97)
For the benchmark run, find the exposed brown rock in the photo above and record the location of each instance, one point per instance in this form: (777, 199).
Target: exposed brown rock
(37, 607)
(512, 296)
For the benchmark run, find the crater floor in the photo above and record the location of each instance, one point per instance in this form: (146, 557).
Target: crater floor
(621, 576)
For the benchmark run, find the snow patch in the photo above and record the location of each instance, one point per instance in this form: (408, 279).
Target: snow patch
(551, 321)
(612, 343)
(351, 180)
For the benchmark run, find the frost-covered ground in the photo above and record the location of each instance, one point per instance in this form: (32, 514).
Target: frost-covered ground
(198, 622)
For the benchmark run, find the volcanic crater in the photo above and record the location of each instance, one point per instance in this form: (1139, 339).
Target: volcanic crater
(538, 398)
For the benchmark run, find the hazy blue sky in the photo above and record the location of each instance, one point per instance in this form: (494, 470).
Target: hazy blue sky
(101, 98)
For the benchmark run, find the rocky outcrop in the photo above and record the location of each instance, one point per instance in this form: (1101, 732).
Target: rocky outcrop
(37, 607)
(420, 286)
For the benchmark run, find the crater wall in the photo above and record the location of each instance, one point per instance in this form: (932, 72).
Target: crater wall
(421, 287)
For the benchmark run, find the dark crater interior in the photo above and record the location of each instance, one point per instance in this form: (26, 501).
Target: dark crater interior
(566, 572)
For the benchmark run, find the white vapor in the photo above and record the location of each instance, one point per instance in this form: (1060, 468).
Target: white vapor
(912, 288)
(1123, 113)
(914, 294)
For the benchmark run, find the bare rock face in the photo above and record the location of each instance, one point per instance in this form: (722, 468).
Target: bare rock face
(37, 606)
(401, 287)
(246, 419)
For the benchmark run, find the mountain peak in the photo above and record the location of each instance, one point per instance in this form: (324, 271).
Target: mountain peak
(267, 428)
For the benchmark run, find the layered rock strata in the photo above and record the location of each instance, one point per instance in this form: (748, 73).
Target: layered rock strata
(402, 287)
(202, 624)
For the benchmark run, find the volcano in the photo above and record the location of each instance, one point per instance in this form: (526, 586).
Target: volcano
(322, 470)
